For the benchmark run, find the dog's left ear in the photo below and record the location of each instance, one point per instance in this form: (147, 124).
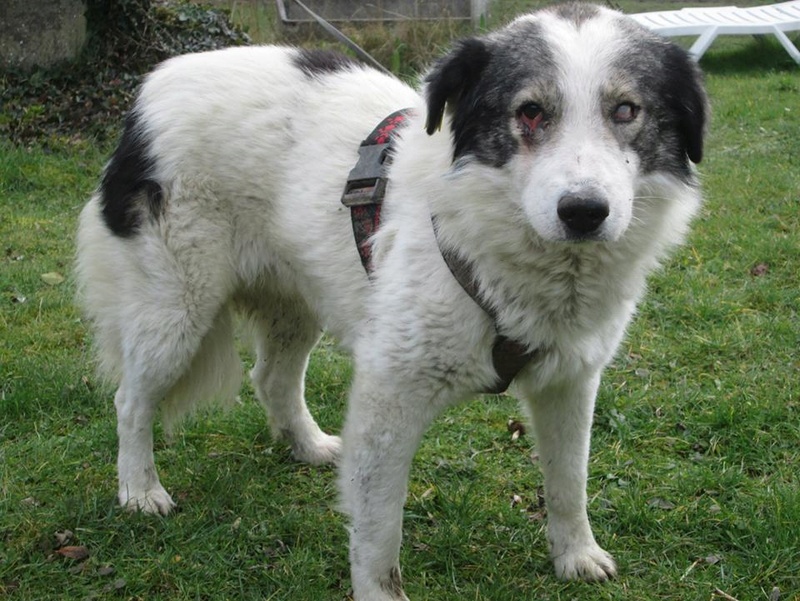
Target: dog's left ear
(452, 77)
(686, 95)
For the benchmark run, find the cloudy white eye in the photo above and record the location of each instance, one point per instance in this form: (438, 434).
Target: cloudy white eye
(625, 112)
(530, 115)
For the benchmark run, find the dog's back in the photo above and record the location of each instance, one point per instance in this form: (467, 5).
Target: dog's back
(190, 197)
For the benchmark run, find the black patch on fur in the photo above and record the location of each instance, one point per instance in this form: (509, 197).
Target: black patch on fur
(477, 82)
(683, 92)
(393, 584)
(675, 95)
(577, 12)
(127, 181)
(314, 63)
(452, 77)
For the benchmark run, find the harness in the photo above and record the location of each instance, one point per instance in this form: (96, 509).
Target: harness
(363, 195)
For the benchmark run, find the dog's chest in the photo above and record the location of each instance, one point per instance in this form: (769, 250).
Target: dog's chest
(565, 295)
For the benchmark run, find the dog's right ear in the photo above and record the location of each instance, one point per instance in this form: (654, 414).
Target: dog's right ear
(452, 77)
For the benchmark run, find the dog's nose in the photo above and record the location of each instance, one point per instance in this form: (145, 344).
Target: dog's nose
(582, 215)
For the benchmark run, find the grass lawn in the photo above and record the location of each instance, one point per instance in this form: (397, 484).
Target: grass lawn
(695, 471)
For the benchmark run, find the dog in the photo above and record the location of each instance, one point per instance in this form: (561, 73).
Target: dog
(553, 157)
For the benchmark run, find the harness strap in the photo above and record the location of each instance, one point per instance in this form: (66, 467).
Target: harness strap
(508, 356)
(363, 195)
(366, 184)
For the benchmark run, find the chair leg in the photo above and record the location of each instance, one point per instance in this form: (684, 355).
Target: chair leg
(702, 43)
(787, 44)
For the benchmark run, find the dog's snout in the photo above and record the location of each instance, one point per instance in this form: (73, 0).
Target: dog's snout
(582, 215)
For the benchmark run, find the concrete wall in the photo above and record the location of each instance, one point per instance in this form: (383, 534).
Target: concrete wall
(40, 32)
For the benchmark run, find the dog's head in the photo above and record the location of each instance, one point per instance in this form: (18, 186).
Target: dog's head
(581, 105)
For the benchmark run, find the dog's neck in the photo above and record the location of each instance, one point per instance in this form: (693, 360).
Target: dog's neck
(364, 194)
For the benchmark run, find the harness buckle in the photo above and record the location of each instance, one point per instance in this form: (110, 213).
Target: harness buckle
(366, 183)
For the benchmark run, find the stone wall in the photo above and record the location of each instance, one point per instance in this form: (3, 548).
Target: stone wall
(40, 32)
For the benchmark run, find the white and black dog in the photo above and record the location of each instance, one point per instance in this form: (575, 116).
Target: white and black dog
(552, 157)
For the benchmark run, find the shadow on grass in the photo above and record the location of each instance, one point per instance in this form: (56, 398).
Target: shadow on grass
(751, 55)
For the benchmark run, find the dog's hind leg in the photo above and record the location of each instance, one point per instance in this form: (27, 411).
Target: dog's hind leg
(175, 369)
(139, 486)
(177, 348)
(285, 333)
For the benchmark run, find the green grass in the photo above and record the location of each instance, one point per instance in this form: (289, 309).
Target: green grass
(694, 478)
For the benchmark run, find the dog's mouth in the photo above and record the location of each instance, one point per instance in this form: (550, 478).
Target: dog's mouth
(573, 238)
(566, 239)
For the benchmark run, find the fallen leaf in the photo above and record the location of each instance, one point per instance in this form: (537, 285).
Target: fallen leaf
(661, 504)
(775, 594)
(63, 537)
(78, 568)
(117, 585)
(428, 493)
(759, 270)
(52, 278)
(105, 571)
(76, 552)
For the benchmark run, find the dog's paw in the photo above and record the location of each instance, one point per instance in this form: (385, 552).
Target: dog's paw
(322, 449)
(155, 500)
(385, 589)
(590, 563)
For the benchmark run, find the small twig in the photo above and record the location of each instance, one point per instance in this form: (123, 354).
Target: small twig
(689, 569)
(724, 595)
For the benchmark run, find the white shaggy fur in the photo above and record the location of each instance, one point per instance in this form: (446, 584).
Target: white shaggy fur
(252, 154)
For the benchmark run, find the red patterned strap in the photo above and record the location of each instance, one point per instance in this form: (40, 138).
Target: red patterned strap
(366, 184)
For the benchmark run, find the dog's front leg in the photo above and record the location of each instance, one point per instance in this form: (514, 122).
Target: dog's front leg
(562, 419)
(382, 432)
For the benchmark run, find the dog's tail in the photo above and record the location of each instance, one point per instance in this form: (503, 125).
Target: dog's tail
(214, 375)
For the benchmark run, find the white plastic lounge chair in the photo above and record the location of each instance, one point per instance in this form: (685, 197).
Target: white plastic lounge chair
(708, 23)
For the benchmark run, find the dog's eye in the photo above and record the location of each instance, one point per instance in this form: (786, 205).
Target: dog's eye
(625, 112)
(530, 115)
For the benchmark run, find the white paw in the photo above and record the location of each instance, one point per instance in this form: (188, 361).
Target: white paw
(389, 588)
(321, 449)
(589, 563)
(380, 595)
(155, 500)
